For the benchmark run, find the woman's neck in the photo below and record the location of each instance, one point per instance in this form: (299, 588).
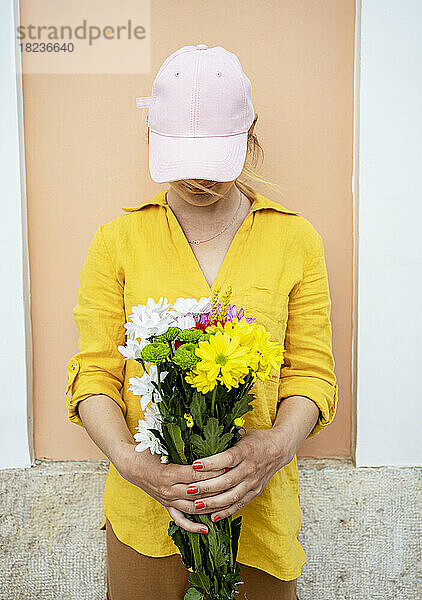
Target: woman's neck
(203, 208)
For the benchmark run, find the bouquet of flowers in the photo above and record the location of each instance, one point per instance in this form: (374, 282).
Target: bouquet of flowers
(200, 359)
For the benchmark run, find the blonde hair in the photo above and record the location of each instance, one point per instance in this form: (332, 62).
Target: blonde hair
(254, 154)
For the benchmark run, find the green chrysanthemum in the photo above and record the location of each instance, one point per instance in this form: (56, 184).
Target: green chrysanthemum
(189, 335)
(169, 335)
(205, 337)
(185, 356)
(155, 353)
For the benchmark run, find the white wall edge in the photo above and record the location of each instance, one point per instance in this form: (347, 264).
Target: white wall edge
(355, 197)
(388, 215)
(16, 439)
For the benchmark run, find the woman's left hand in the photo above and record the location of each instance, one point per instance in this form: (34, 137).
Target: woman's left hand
(250, 464)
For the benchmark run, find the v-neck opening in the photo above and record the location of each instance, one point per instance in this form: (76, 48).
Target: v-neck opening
(190, 252)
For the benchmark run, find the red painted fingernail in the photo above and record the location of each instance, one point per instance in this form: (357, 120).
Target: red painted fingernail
(215, 519)
(198, 464)
(226, 469)
(203, 530)
(192, 490)
(199, 504)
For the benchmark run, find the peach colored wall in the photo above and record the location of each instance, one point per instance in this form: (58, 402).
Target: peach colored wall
(86, 157)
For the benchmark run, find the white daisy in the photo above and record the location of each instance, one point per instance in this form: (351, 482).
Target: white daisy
(160, 307)
(185, 321)
(143, 387)
(146, 323)
(132, 348)
(183, 306)
(152, 417)
(145, 438)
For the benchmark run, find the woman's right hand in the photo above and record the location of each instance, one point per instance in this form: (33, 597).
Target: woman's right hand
(167, 483)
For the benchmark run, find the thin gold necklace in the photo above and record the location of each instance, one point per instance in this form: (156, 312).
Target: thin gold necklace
(224, 228)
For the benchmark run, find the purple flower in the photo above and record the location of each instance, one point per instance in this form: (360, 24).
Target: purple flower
(202, 318)
(232, 311)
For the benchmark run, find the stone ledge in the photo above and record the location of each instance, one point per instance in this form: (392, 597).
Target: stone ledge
(47, 467)
(360, 531)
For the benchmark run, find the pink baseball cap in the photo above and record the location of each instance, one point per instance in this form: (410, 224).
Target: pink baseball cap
(199, 115)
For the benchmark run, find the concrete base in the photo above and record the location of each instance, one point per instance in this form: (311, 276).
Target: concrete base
(360, 532)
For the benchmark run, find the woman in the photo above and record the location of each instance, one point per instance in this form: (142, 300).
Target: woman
(208, 229)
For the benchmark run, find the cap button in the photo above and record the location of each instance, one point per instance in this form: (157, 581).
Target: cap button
(201, 47)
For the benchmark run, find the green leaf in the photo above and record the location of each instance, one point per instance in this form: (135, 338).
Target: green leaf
(174, 455)
(172, 528)
(213, 440)
(198, 408)
(158, 436)
(199, 445)
(224, 440)
(195, 546)
(200, 580)
(239, 408)
(193, 594)
(212, 431)
(235, 527)
(217, 551)
(229, 582)
(224, 540)
(176, 436)
(219, 557)
(178, 535)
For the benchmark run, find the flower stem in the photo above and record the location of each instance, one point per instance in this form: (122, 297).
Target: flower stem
(143, 364)
(159, 379)
(228, 527)
(194, 541)
(159, 387)
(214, 394)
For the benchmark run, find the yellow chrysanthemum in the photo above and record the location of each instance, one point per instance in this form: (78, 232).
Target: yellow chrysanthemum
(246, 332)
(239, 422)
(189, 419)
(269, 354)
(215, 327)
(241, 328)
(227, 326)
(223, 359)
(265, 355)
(200, 381)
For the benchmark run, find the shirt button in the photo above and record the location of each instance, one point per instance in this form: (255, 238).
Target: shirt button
(201, 47)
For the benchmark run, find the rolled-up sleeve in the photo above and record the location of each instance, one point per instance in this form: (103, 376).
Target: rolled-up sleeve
(308, 369)
(98, 366)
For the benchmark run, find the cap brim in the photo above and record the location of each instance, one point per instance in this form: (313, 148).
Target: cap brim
(218, 158)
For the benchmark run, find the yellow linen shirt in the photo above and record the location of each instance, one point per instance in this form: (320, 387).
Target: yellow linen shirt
(277, 269)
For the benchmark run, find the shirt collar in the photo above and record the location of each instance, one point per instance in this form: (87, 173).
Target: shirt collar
(260, 203)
